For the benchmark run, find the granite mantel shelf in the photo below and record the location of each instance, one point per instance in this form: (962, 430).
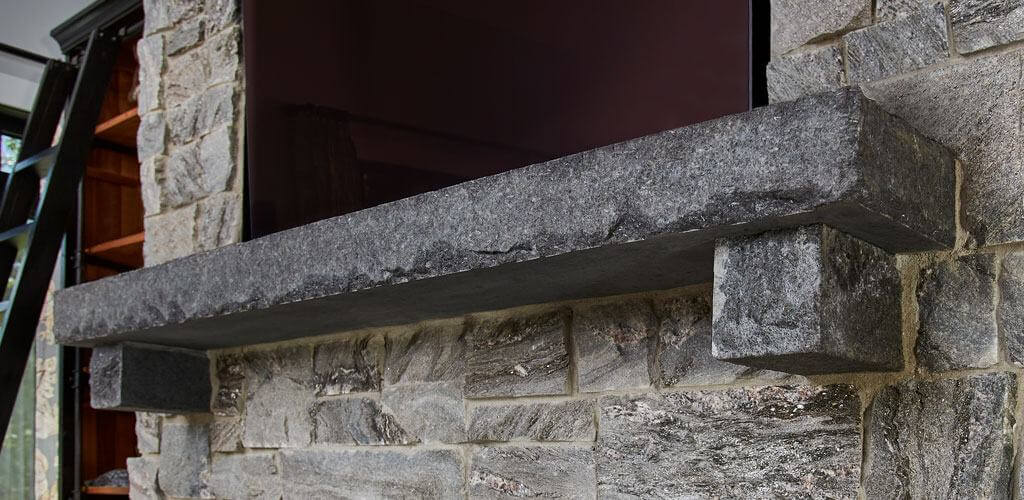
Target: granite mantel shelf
(639, 215)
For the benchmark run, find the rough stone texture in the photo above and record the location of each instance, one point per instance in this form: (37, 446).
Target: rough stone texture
(804, 73)
(431, 412)
(777, 442)
(184, 37)
(891, 9)
(150, 51)
(956, 314)
(142, 473)
(834, 158)
(135, 377)
(218, 220)
(980, 24)
(614, 345)
(230, 374)
(531, 471)
(372, 474)
(349, 365)
(245, 476)
(565, 421)
(152, 136)
(796, 22)
(525, 356)
(684, 356)
(1011, 306)
(280, 396)
(431, 354)
(806, 300)
(356, 421)
(147, 432)
(185, 459)
(189, 74)
(942, 438)
(169, 235)
(982, 124)
(897, 46)
(226, 434)
(202, 114)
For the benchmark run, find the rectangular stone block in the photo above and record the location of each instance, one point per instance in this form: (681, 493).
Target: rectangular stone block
(782, 442)
(226, 434)
(147, 432)
(185, 459)
(524, 356)
(533, 472)
(136, 377)
(142, 472)
(807, 300)
(796, 22)
(348, 365)
(372, 474)
(357, 421)
(279, 398)
(229, 394)
(1011, 305)
(432, 354)
(899, 45)
(249, 476)
(942, 438)
(565, 421)
(615, 345)
(654, 204)
(430, 412)
(805, 73)
(980, 24)
(956, 303)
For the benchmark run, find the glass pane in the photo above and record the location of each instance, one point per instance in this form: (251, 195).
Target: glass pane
(9, 148)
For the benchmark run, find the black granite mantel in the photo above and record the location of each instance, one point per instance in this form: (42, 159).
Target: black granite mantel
(639, 215)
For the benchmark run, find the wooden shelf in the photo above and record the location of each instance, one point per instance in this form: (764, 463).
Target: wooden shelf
(105, 490)
(121, 129)
(126, 241)
(111, 177)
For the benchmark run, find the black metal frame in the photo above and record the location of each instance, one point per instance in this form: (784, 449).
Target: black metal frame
(103, 15)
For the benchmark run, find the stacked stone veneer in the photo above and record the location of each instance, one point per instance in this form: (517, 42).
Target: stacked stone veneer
(190, 138)
(621, 397)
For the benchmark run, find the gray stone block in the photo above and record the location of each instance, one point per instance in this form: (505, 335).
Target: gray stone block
(151, 137)
(169, 235)
(226, 434)
(142, 473)
(834, 158)
(186, 35)
(221, 14)
(217, 61)
(684, 356)
(525, 356)
(563, 421)
(348, 365)
(431, 354)
(185, 460)
(250, 476)
(219, 220)
(942, 438)
(899, 45)
(804, 73)
(807, 300)
(891, 9)
(956, 314)
(1011, 305)
(372, 474)
(279, 398)
(780, 442)
(982, 124)
(532, 471)
(356, 421)
(796, 22)
(431, 412)
(615, 345)
(147, 432)
(980, 24)
(230, 379)
(150, 51)
(138, 377)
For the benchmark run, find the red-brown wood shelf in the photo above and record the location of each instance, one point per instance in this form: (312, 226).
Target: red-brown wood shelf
(125, 241)
(105, 490)
(121, 129)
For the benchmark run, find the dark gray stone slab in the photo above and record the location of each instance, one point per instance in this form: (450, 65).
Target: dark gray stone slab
(349, 365)
(230, 382)
(1011, 305)
(775, 442)
(142, 472)
(942, 439)
(431, 412)
(525, 356)
(956, 303)
(356, 421)
(250, 476)
(899, 45)
(982, 123)
(684, 356)
(564, 421)
(185, 460)
(980, 24)
(432, 354)
(634, 216)
(806, 300)
(615, 345)
(796, 22)
(372, 474)
(532, 472)
(279, 398)
(134, 377)
(804, 73)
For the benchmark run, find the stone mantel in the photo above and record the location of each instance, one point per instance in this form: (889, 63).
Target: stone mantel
(639, 215)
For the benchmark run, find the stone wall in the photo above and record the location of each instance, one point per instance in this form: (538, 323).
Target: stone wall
(190, 140)
(621, 397)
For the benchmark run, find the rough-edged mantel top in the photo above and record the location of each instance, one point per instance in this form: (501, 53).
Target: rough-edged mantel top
(639, 215)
